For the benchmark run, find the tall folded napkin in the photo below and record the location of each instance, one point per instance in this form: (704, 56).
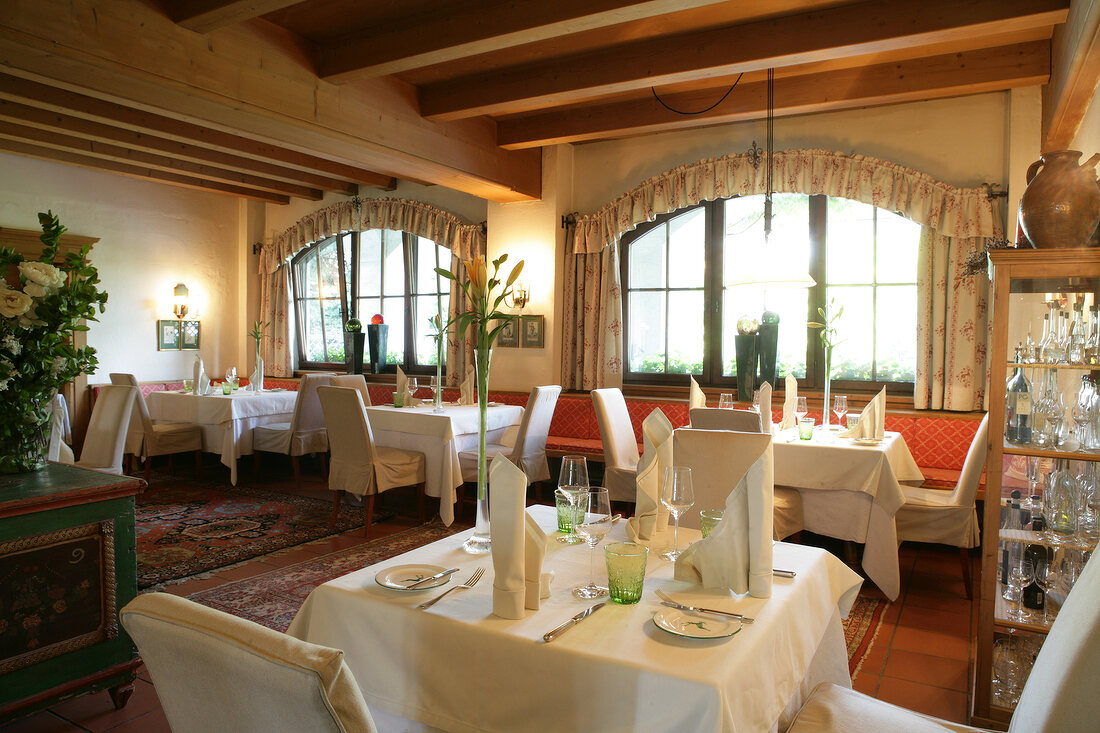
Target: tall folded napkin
(789, 400)
(536, 583)
(738, 553)
(201, 381)
(466, 389)
(696, 398)
(872, 421)
(507, 495)
(765, 402)
(403, 389)
(656, 438)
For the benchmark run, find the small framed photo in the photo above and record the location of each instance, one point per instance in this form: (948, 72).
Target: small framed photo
(533, 332)
(509, 335)
(168, 335)
(189, 337)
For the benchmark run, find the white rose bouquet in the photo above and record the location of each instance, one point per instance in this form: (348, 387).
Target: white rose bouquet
(41, 305)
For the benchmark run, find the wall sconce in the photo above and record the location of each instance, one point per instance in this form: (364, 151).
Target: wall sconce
(521, 295)
(179, 301)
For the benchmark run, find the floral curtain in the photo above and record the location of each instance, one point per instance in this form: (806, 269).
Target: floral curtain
(592, 342)
(424, 220)
(460, 347)
(274, 305)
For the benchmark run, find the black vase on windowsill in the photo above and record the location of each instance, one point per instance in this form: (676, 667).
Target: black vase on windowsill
(745, 349)
(353, 351)
(377, 335)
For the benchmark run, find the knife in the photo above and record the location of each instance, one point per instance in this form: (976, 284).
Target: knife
(553, 634)
(783, 573)
(437, 576)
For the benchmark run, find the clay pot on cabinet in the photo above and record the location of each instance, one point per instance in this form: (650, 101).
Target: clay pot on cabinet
(1061, 204)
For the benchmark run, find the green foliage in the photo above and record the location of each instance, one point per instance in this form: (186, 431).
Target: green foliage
(258, 329)
(677, 364)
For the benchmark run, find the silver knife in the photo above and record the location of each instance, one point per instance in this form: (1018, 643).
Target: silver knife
(437, 576)
(783, 573)
(554, 633)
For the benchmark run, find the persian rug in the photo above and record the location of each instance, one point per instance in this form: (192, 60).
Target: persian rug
(860, 629)
(273, 598)
(188, 527)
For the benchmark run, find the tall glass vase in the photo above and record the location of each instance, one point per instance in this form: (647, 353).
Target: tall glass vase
(479, 543)
(827, 407)
(258, 380)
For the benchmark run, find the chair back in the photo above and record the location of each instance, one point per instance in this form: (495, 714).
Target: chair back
(106, 436)
(620, 450)
(1060, 694)
(718, 459)
(712, 418)
(59, 429)
(307, 425)
(214, 671)
(358, 381)
(350, 440)
(529, 452)
(140, 422)
(966, 490)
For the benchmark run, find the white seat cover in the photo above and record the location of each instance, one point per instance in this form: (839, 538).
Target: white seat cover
(106, 436)
(306, 431)
(620, 448)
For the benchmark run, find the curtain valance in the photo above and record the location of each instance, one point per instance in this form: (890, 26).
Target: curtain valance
(949, 210)
(416, 217)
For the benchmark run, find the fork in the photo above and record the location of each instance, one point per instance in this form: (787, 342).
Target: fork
(470, 583)
(684, 607)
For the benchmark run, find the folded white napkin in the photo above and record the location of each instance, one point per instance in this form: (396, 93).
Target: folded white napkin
(466, 389)
(507, 494)
(738, 553)
(536, 583)
(696, 398)
(789, 399)
(656, 438)
(201, 381)
(872, 421)
(403, 389)
(765, 403)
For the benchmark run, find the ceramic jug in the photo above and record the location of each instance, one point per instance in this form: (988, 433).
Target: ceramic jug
(1061, 204)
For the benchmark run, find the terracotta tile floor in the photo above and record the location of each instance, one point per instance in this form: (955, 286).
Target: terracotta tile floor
(920, 659)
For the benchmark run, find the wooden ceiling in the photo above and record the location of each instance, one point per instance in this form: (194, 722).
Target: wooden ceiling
(273, 99)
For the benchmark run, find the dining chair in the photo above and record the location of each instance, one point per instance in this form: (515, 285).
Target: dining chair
(305, 433)
(1058, 697)
(358, 381)
(215, 671)
(620, 448)
(106, 435)
(948, 517)
(159, 439)
(712, 418)
(528, 450)
(60, 432)
(357, 465)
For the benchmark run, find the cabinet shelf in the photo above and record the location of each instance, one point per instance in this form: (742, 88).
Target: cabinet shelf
(1011, 449)
(1079, 367)
(1034, 538)
(1003, 622)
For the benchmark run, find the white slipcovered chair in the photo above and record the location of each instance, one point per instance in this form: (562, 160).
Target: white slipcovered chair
(620, 447)
(358, 381)
(60, 432)
(528, 452)
(713, 418)
(1059, 696)
(358, 465)
(948, 517)
(161, 439)
(217, 672)
(305, 433)
(106, 436)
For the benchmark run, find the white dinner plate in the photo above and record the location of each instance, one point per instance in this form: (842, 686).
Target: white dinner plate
(695, 625)
(866, 441)
(400, 577)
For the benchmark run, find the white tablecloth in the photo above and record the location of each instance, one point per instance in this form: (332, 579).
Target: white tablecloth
(440, 438)
(226, 420)
(851, 492)
(456, 667)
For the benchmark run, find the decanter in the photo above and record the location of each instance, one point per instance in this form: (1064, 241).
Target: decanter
(1047, 341)
(1092, 343)
(1075, 351)
(1018, 407)
(1060, 503)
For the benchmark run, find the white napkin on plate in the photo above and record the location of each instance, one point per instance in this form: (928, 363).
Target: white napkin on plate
(656, 439)
(765, 403)
(872, 421)
(536, 583)
(466, 389)
(789, 399)
(508, 530)
(696, 398)
(738, 553)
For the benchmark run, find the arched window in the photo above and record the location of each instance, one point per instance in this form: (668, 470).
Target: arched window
(360, 274)
(681, 304)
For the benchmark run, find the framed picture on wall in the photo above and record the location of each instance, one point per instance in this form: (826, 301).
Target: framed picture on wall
(509, 335)
(189, 337)
(168, 335)
(533, 333)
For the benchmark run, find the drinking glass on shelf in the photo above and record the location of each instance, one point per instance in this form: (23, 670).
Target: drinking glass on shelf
(1020, 576)
(725, 401)
(677, 496)
(594, 525)
(840, 409)
(572, 479)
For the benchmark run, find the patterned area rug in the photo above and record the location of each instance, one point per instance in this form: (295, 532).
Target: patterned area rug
(272, 599)
(187, 527)
(860, 629)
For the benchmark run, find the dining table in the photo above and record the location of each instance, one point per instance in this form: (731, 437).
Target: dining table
(441, 436)
(457, 667)
(226, 420)
(850, 490)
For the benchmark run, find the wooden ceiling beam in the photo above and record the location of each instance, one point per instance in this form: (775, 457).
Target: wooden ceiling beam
(861, 28)
(460, 28)
(901, 81)
(203, 16)
(70, 143)
(1074, 78)
(133, 171)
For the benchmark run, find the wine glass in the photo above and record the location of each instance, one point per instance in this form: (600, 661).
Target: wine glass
(412, 386)
(725, 401)
(801, 409)
(594, 526)
(1048, 575)
(677, 496)
(230, 374)
(840, 408)
(572, 479)
(1019, 577)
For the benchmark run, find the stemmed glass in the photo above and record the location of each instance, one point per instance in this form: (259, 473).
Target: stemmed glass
(677, 496)
(1019, 577)
(840, 409)
(593, 528)
(436, 392)
(412, 386)
(572, 481)
(725, 401)
(231, 376)
(1047, 574)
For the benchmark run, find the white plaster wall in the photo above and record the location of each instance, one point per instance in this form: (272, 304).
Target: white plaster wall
(151, 237)
(1087, 139)
(1024, 140)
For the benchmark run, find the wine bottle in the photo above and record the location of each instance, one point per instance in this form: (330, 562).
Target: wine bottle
(1018, 406)
(1033, 596)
